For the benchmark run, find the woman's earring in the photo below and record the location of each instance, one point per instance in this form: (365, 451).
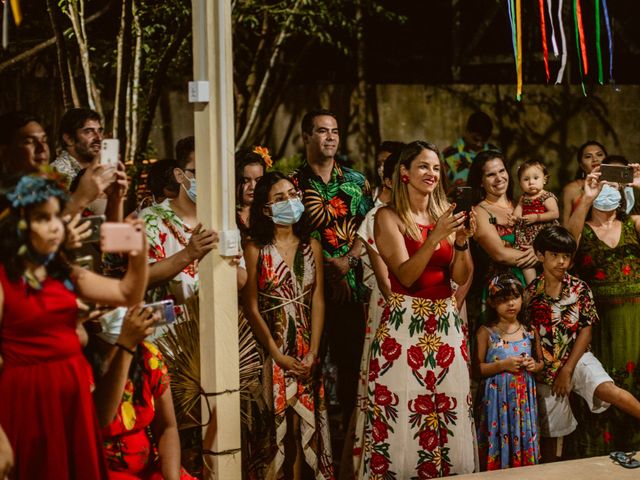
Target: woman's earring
(405, 179)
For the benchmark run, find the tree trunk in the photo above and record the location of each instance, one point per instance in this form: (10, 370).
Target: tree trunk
(123, 68)
(61, 52)
(156, 86)
(135, 86)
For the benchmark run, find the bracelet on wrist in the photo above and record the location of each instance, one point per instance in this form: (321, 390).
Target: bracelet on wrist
(126, 349)
(461, 248)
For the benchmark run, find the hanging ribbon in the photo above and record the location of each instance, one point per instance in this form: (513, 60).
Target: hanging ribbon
(598, 49)
(580, 46)
(15, 9)
(511, 6)
(5, 25)
(519, 45)
(610, 37)
(563, 38)
(554, 45)
(543, 31)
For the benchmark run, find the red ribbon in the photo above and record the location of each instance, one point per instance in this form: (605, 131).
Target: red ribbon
(543, 30)
(583, 47)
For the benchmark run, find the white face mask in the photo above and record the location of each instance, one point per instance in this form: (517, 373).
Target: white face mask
(111, 323)
(608, 199)
(630, 198)
(287, 212)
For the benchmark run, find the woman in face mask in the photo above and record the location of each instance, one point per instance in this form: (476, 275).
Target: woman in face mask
(284, 303)
(608, 259)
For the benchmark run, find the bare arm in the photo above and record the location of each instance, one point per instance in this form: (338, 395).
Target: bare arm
(200, 243)
(569, 194)
(562, 383)
(510, 364)
(116, 193)
(553, 211)
(380, 271)
(6, 455)
(127, 291)
(165, 430)
(488, 238)
(592, 188)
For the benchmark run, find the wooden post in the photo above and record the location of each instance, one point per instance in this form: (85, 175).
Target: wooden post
(212, 58)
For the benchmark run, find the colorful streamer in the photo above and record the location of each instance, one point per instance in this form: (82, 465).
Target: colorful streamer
(17, 13)
(554, 44)
(610, 37)
(543, 31)
(580, 44)
(515, 19)
(563, 53)
(5, 25)
(598, 49)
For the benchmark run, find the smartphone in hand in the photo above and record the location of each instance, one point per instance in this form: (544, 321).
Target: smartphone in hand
(109, 152)
(622, 174)
(95, 222)
(121, 238)
(165, 311)
(463, 198)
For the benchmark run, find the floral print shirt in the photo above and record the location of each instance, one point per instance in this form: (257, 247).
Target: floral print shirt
(167, 235)
(335, 211)
(559, 320)
(67, 166)
(458, 158)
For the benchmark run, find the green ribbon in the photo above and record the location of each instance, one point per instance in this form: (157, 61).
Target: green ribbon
(598, 49)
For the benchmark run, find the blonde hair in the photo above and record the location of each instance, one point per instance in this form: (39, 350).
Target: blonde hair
(438, 203)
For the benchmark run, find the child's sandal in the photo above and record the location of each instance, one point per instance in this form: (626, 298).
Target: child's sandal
(625, 460)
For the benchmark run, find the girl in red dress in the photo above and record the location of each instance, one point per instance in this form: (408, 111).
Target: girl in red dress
(45, 384)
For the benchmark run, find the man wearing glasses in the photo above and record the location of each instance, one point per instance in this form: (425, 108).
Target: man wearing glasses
(177, 241)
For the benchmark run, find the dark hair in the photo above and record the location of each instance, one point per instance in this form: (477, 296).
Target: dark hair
(504, 287)
(389, 146)
(160, 176)
(11, 240)
(184, 148)
(307, 121)
(391, 162)
(476, 173)
(11, 122)
(580, 173)
(261, 226)
(480, 123)
(532, 162)
(244, 157)
(555, 239)
(74, 119)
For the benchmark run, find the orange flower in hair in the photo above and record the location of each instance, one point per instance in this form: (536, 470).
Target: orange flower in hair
(264, 153)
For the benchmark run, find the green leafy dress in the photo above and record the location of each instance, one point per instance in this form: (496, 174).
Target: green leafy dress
(614, 277)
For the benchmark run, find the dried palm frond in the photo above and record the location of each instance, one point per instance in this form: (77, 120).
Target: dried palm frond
(180, 346)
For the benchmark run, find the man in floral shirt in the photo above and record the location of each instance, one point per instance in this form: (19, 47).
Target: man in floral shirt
(177, 241)
(336, 200)
(560, 307)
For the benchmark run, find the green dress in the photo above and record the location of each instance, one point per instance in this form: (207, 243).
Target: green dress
(614, 277)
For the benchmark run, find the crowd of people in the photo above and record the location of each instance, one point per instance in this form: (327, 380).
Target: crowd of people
(465, 337)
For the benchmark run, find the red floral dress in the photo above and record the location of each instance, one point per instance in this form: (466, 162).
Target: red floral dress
(128, 444)
(526, 232)
(285, 304)
(419, 415)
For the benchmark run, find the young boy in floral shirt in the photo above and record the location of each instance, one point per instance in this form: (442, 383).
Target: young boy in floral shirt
(561, 308)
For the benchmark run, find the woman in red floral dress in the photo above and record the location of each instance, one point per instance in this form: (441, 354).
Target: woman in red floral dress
(283, 301)
(419, 417)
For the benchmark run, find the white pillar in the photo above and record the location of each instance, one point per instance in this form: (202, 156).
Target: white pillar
(212, 58)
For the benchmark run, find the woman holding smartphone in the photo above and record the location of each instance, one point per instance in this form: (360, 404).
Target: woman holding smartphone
(45, 384)
(284, 303)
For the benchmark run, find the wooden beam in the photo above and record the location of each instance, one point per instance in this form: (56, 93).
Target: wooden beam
(219, 362)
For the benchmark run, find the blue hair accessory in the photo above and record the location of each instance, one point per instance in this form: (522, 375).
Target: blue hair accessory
(34, 189)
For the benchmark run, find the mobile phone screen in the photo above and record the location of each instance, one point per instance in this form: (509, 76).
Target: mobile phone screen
(95, 222)
(616, 173)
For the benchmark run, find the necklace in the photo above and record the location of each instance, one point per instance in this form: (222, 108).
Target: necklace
(495, 204)
(504, 332)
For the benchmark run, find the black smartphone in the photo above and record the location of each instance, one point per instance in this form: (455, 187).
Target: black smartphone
(621, 174)
(96, 221)
(463, 199)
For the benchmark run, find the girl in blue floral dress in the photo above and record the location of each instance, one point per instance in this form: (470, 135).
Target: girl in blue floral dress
(507, 426)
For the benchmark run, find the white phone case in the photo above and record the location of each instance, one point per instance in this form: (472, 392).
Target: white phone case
(109, 152)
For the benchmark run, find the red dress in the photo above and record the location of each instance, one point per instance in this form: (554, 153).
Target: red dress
(46, 407)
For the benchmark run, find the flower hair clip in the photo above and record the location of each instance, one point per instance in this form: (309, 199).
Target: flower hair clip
(32, 189)
(264, 153)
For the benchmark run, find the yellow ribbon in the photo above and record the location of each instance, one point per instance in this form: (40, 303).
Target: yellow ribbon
(17, 13)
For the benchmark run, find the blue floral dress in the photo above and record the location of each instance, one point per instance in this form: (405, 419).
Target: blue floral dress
(507, 427)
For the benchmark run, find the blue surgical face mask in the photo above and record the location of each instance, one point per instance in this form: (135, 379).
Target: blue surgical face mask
(630, 198)
(287, 212)
(608, 199)
(191, 191)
